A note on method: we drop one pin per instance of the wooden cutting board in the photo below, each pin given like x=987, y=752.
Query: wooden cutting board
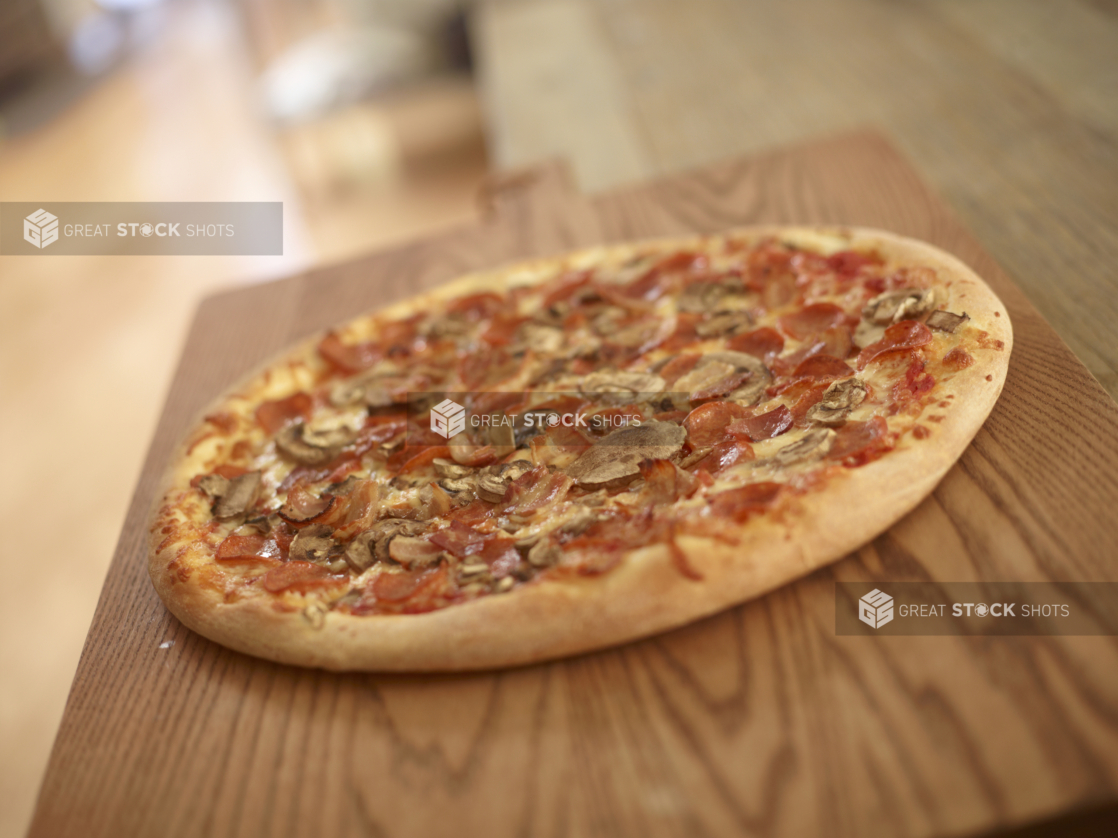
x=758, y=721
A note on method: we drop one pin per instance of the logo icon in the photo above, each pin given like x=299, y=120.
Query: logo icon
x=40, y=228
x=146, y=230
x=448, y=418
x=875, y=609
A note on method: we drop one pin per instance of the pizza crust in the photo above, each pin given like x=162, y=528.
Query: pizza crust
x=646, y=593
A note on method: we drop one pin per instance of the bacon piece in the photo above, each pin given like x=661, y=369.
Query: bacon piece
x=348, y=357
x=408, y=459
x=562, y=288
x=812, y=319
x=908, y=334
x=475, y=512
x=487, y=367
x=706, y=424
x=274, y=415
x=857, y=443
x=502, y=329
x=466, y=453
x=679, y=559
x=358, y=512
x=299, y=576
x=739, y=504
x=759, y=343
x=536, y=489
x=459, y=539
x=248, y=548
x=593, y=555
x=302, y=508
x=822, y=368
x=500, y=554
x=665, y=482
x=765, y=426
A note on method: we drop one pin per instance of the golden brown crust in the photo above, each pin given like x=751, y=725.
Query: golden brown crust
x=646, y=593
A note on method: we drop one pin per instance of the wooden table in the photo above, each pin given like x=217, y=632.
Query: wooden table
x=1009, y=108
x=758, y=721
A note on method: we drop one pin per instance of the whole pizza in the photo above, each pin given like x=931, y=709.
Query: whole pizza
x=573, y=452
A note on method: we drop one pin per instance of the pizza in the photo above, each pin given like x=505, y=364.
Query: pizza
x=573, y=452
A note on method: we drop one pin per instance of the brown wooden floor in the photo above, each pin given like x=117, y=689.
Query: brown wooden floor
x=88, y=345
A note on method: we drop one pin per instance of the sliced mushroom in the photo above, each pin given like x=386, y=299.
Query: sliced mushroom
x=724, y=324
x=373, y=544
x=542, y=339
x=449, y=468
x=705, y=374
x=491, y=486
x=753, y=390
x=837, y=402
x=811, y=445
x=240, y=494
x=946, y=321
x=614, y=459
x=312, y=447
x=579, y=522
x=214, y=485
x=414, y=552
x=623, y=383
x=343, y=488
x=544, y=553
x=895, y=306
x=701, y=297
x=314, y=544
x=458, y=485
x=359, y=553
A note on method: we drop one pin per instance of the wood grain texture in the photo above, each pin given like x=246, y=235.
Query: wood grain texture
x=1008, y=107
x=758, y=721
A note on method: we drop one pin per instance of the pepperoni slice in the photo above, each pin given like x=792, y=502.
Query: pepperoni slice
x=738, y=504
x=857, y=443
x=302, y=508
x=812, y=319
x=299, y=576
x=396, y=587
x=251, y=548
x=908, y=334
x=822, y=368
x=476, y=306
x=706, y=424
x=846, y=263
x=348, y=358
x=759, y=342
x=679, y=366
x=765, y=426
x=274, y=415
x=725, y=454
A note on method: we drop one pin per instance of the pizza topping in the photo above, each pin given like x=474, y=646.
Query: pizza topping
x=213, y=485
x=303, y=508
x=946, y=321
x=837, y=402
x=761, y=342
x=256, y=548
x=624, y=384
x=766, y=426
x=908, y=334
x=724, y=324
x=707, y=424
x=414, y=552
x=739, y=504
x=300, y=577
x=615, y=458
x=895, y=306
x=812, y=319
x=314, y=544
x=273, y=415
x=856, y=443
x=306, y=448
x=237, y=497
x=812, y=445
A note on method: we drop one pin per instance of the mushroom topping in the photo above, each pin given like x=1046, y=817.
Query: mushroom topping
x=701, y=297
x=544, y=554
x=892, y=307
x=312, y=447
x=811, y=445
x=542, y=339
x=705, y=375
x=945, y=321
x=491, y=485
x=837, y=402
x=615, y=459
x=413, y=552
x=449, y=468
x=314, y=544
x=374, y=544
x=214, y=485
x=752, y=391
x=340, y=490
x=622, y=383
x=236, y=499
x=726, y=323
x=579, y=522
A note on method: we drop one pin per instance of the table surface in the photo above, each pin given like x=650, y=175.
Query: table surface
x=1009, y=108
x=758, y=721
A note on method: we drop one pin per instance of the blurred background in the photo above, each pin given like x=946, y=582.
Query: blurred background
x=377, y=121
x=359, y=115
